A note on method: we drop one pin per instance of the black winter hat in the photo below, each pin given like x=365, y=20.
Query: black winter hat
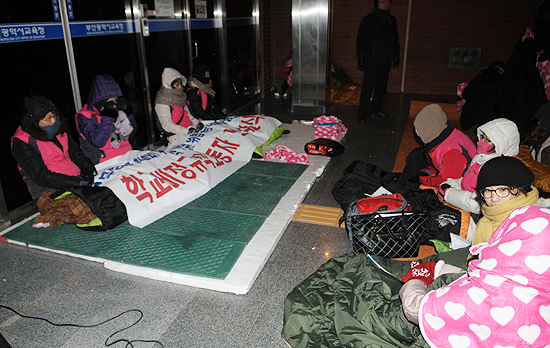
x=36, y=108
x=199, y=70
x=504, y=170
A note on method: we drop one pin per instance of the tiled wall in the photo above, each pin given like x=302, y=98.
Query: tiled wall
x=436, y=26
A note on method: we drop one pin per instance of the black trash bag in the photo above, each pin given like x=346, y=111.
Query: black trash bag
x=361, y=178
x=104, y=204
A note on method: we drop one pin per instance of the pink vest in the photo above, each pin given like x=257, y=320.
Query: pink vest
x=204, y=98
x=57, y=160
x=455, y=141
x=180, y=116
x=107, y=149
x=469, y=180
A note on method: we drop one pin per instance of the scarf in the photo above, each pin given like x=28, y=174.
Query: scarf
x=495, y=215
x=205, y=87
x=52, y=129
x=169, y=96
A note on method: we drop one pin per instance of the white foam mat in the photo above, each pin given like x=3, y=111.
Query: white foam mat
x=253, y=258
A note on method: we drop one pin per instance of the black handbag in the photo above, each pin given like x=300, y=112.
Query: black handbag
x=391, y=233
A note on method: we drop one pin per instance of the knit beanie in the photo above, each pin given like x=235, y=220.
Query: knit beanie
x=543, y=114
x=430, y=122
x=199, y=70
x=508, y=171
x=36, y=108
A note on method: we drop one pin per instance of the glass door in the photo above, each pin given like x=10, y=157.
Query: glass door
x=243, y=51
x=206, y=18
x=33, y=60
x=105, y=39
x=56, y=48
x=167, y=42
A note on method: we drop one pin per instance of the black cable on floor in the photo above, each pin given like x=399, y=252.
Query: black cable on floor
x=129, y=343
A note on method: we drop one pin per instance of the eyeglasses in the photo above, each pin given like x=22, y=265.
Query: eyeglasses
x=501, y=192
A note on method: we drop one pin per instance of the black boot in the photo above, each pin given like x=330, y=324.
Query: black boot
x=361, y=117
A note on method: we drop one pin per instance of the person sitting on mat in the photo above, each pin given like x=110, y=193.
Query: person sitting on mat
x=504, y=296
x=356, y=285
x=171, y=109
x=200, y=95
x=504, y=183
x=106, y=122
x=499, y=137
x=50, y=161
x=447, y=152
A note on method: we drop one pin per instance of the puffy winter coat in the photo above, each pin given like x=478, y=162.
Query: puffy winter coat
x=449, y=154
x=171, y=109
x=353, y=301
x=50, y=163
x=202, y=105
x=504, y=135
x=95, y=130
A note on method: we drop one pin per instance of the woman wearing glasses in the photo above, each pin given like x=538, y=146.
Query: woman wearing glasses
x=504, y=183
x=47, y=155
x=51, y=163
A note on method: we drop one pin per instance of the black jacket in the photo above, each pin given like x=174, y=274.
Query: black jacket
x=378, y=39
x=36, y=174
x=194, y=103
x=478, y=95
x=522, y=91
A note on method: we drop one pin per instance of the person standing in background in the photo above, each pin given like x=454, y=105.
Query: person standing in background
x=377, y=52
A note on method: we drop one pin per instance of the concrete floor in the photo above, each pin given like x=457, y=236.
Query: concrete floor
x=66, y=290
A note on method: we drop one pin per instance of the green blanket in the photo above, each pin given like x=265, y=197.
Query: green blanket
x=351, y=302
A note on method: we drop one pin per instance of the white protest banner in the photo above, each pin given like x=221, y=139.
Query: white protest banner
x=152, y=183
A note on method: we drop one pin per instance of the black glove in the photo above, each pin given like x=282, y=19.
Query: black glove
x=109, y=112
x=361, y=61
x=123, y=104
x=191, y=130
x=396, y=61
x=200, y=126
x=88, y=171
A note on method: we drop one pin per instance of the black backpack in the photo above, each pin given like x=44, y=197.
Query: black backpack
x=361, y=178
